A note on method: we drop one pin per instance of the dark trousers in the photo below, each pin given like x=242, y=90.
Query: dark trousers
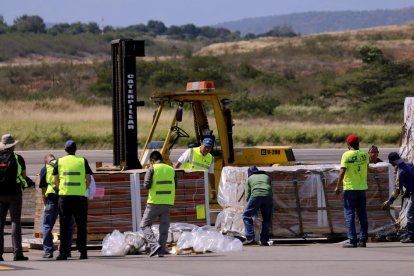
x=14, y=204
x=76, y=207
x=265, y=205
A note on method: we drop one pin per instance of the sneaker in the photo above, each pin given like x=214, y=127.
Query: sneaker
x=407, y=240
x=47, y=256
x=155, y=251
x=248, y=242
x=349, y=245
x=62, y=257
x=362, y=244
x=20, y=258
x=83, y=256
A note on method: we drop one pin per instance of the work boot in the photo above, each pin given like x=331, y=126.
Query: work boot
x=20, y=257
x=1, y=258
x=62, y=257
x=83, y=256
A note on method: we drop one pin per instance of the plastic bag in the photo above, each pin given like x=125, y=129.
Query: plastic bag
x=114, y=244
x=91, y=191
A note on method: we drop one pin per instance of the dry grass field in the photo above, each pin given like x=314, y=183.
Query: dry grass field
x=45, y=125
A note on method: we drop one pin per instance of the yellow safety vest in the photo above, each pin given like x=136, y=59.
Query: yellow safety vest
x=49, y=178
x=197, y=161
x=72, y=176
x=20, y=179
x=162, y=189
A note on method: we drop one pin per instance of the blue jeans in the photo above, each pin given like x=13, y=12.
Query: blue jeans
x=356, y=202
x=265, y=204
x=49, y=218
x=410, y=217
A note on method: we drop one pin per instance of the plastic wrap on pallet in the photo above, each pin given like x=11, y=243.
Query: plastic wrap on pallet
x=407, y=142
x=305, y=204
x=231, y=187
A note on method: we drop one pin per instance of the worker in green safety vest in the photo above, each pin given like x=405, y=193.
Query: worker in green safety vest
x=72, y=175
x=160, y=180
x=200, y=158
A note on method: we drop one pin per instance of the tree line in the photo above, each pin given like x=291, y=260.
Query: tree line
x=36, y=24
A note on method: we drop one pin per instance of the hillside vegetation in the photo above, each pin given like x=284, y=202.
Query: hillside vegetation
x=323, y=21
x=320, y=87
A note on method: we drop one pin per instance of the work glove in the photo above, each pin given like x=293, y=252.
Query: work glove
x=386, y=205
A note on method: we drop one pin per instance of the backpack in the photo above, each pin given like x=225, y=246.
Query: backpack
x=8, y=171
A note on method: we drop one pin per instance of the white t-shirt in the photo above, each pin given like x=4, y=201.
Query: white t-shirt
x=184, y=158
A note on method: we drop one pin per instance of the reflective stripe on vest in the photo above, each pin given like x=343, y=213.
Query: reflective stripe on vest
x=49, y=178
x=197, y=161
x=162, y=189
x=72, y=175
x=20, y=179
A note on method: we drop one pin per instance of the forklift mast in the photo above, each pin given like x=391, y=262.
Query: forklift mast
x=124, y=103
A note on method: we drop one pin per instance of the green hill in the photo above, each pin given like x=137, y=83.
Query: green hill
x=319, y=21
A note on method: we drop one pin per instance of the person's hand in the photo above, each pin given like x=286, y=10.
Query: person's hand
x=386, y=205
x=213, y=195
x=337, y=191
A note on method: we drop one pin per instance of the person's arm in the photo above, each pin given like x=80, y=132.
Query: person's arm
x=88, y=173
x=247, y=190
x=181, y=160
x=398, y=187
x=56, y=175
x=340, y=180
x=148, y=178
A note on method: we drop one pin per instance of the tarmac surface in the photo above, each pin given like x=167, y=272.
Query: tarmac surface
x=388, y=258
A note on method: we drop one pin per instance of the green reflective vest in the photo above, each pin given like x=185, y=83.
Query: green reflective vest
x=197, y=161
x=72, y=176
x=49, y=178
x=20, y=179
x=162, y=189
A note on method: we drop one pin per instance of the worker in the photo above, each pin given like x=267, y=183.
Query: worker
x=51, y=210
x=200, y=158
x=72, y=175
x=353, y=177
x=160, y=179
x=259, y=195
x=405, y=178
x=373, y=155
x=12, y=181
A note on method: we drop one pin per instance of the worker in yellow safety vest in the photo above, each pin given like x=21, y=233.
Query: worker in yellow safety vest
x=51, y=210
x=72, y=175
x=160, y=180
x=200, y=158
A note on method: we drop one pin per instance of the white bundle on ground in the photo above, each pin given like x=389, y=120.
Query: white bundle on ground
x=135, y=242
x=114, y=244
x=118, y=244
x=208, y=239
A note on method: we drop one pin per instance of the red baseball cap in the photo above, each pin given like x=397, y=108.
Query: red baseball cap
x=352, y=139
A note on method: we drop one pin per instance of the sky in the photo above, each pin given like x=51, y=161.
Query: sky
x=122, y=13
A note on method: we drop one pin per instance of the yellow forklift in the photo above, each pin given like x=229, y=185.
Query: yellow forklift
x=210, y=115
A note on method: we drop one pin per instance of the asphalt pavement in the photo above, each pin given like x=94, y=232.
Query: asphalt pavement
x=323, y=259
